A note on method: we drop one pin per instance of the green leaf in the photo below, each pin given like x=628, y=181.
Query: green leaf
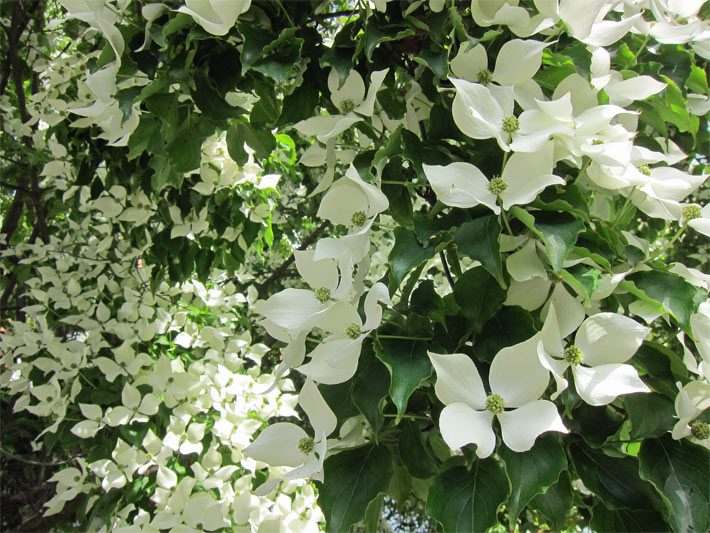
x=614, y=480
x=679, y=470
x=299, y=105
x=235, y=145
x=556, y=502
x=558, y=232
x=375, y=36
x=436, y=59
x=186, y=149
x=663, y=367
x=468, y=501
x=678, y=297
x=510, y=325
x=479, y=295
x=210, y=102
x=354, y=478
x=339, y=398
x=698, y=80
x=427, y=302
x=625, y=520
x=406, y=254
x=651, y=414
x=370, y=387
x=408, y=364
x=479, y=240
x=532, y=472
x=414, y=455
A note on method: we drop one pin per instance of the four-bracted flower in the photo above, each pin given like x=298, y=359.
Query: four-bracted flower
x=517, y=380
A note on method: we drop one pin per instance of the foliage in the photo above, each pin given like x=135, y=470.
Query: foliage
x=389, y=257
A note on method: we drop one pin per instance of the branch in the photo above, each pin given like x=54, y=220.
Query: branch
x=334, y=14
x=279, y=272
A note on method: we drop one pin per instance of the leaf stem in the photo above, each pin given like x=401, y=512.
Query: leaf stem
x=506, y=222
x=404, y=337
x=669, y=244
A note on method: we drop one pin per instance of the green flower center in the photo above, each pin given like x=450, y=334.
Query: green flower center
x=322, y=294
x=497, y=186
x=306, y=445
x=700, y=430
x=597, y=142
x=495, y=403
x=353, y=331
x=346, y=106
x=485, y=76
x=573, y=355
x=510, y=124
x=358, y=219
x=645, y=170
x=691, y=211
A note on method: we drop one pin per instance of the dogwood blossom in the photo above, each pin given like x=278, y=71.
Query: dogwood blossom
x=603, y=342
x=517, y=380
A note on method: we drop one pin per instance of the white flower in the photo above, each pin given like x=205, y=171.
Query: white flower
x=86, y=429
x=286, y=444
x=517, y=381
x=463, y=185
x=482, y=112
x=134, y=409
x=215, y=16
x=603, y=343
x=516, y=63
x=335, y=360
x=692, y=401
x=352, y=202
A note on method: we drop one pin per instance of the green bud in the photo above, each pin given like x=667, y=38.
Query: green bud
x=353, y=331
x=306, y=445
x=485, y=76
x=346, y=106
x=690, y=212
x=645, y=170
x=510, y=124
x=700, y=430
x=358, y=219
x=495, y=403
x=322, y=294
x=573, y=355
x=497, y=186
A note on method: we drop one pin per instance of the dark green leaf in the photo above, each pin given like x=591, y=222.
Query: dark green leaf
x=510, y=325
x=406, y=254
x=479, y=295
x=370, y=387
x=679, y=469
x=375, y=36
x=532, y=472
x=556, y=502
x=663, y=367
x=414, y=455
x=408, y=364
x=625, y=520
x=479, y=240
x=614, y=480
x=468, y=501
x=426, y=302
x=353, y=479
x=651, y=415
x=678, y=297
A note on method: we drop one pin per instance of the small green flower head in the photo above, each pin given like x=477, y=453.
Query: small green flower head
x=573, y=355
x=597, y=142
x=353, y=331
x=510, y=124
x=346, y=106
x=495, y=403
x=322, y=294
x=358, y=219
x=645, y=170
x=485, y=77
x=497, y=186
x=306, y=445
x=700, y=430
x=690, y=212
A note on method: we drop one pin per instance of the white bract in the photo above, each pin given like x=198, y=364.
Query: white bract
x=286, y=444
x=692, y=401
x=524, y=177
x=603, y=342
x=517, y=380
x=215, y=16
